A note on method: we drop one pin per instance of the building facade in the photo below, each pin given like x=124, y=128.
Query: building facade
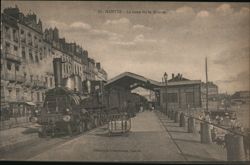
x=27, y=53
x=181, y=93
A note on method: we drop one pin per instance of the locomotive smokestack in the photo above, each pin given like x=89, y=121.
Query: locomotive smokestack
x=57, y=65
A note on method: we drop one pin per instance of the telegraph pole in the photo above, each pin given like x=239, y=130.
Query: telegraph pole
x=206, y=85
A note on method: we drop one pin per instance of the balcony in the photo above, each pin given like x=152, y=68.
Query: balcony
x=13, y=57
x=7, y=36
x=40, y=84
x=14, y=78
x=11, y=77
x=20, y=78
x=28, y=83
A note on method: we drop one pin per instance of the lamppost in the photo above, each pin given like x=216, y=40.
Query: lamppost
x=165, y=76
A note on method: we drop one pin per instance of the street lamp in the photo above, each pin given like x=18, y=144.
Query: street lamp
x=165, y=76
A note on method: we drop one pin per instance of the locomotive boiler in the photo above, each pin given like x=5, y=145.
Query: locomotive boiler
x=63, y=110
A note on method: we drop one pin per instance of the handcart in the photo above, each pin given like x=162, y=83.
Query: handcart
x=119, y=124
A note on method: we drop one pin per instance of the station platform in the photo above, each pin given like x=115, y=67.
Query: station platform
x=153, y=137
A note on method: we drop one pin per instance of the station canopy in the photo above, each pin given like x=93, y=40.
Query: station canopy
x=131, y=81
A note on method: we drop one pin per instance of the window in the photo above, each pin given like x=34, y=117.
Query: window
x=43, y=97
x=25, y=75
x=2, y=91
x=46, y=80
x=50, y=81
x=7, y=44
x=17, y=67
x=7, y=29
x=23, y=38
x=9, y=65
x=15, y=48
x=190, y=98
x=172, y=97
x=7, y=47
x=31, y=78
x=30, y=55
x=36, y=58
x=23, y=53
x=32, y=93
x=9, y=90
x=38, y=96
x=41, y=57
x=18, y=93
x=15, y=35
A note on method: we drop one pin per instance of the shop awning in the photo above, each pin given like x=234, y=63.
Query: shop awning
x=30, y=103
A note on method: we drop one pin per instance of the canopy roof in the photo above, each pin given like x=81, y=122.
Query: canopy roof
x=131, y=81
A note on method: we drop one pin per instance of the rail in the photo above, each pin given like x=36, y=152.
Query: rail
x=233, y=138
x=215, y=125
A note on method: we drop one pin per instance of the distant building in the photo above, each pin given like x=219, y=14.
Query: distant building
x=241, y=97
x=181, y=93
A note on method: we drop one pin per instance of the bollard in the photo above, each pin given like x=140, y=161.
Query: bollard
x=235, y=147
x=182, y=120
x=177, y=117
x=172, y=115
x=191, y=125
x=168, y=113
x=205, y=133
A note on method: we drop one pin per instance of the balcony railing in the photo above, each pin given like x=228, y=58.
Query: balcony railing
x=7, y=35
x=40, y=84
x=12, y=56
x=20, y=78
x=28, y=83
x=11, y=77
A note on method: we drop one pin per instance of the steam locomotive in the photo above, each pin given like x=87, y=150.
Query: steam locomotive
x=73, y=107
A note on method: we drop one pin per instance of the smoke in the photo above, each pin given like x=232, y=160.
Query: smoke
x=41, y=68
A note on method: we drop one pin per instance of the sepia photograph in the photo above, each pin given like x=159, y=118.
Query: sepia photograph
x=125, y=81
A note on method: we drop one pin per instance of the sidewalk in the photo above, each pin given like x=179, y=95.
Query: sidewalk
x=13, y=136
x=147, y=141
x=190, y=145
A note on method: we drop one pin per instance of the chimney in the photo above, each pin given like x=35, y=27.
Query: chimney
x=172, y=75
x=57, y=65
x=98, y=65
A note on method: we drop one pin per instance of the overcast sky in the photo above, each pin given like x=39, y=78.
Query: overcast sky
x=174, y=41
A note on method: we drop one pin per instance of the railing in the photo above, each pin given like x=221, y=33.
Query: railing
x=10, y=77
x=233, y=138
x=12, y=56
x=7, y=35
x=27, y=83
x=39, y=83
x=20, y=78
